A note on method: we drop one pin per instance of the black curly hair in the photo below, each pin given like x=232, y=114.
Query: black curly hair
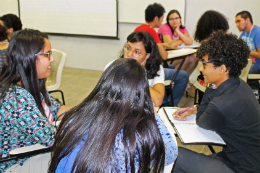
x=210, y=21
x=152, y=11
x=227, y=49
x=153, y=63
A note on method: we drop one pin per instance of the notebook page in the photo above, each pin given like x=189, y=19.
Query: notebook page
x=196, y=134
x=189, y=120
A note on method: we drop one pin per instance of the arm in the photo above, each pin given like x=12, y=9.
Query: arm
x=211, y=118
x=185, y=37
x=57, y=108
x=170, y=43
x=157, y=94
x=171, y=149
x=62, y=110
x=255, y=54
x=162, y=51
x=27, y=118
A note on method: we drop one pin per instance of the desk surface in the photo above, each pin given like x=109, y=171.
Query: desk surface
x=180, y=52
x=167, y=169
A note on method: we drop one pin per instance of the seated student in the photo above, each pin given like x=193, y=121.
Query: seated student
x=230, y=109
x=3, y=43
x=142, y=47
x=209, y=21
x=174, y=34
x=251, y=35
x=114, y=129
x=27, y=111
x=154, y=14
x=12, y=23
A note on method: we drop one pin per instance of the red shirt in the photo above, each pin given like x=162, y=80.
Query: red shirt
x=150, y=30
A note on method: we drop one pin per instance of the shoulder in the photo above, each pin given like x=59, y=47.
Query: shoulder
x=164, y=27
x=146, y=28
x=108, y=64
x=183, y=30
x=143, y=27
x=157, y=79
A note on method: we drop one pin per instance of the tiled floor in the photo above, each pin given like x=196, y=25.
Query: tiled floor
x=77, y=84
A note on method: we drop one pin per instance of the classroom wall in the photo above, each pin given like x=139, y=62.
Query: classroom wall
x=94, y=54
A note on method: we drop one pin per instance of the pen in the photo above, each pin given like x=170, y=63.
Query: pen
x=186, y=109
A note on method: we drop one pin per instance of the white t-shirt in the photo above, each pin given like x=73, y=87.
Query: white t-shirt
x=152, y=82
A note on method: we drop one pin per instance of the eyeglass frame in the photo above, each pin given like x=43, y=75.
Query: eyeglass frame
x=45, y=54
x=204, y=63
x=132, y=51
x=176, y=18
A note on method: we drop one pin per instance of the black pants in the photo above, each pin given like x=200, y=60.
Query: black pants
x=191, y=162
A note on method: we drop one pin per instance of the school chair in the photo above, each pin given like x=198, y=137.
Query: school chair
x=54, y=80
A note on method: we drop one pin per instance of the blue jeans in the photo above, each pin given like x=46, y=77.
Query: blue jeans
x=254, y=69
x=180, y=83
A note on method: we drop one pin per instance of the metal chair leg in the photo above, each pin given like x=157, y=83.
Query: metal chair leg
x=62, y=95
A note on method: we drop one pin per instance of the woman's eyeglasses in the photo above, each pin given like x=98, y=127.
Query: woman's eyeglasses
x=176, y=18
x=47, y=55
x=136, y=53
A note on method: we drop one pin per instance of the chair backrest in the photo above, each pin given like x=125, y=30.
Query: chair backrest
x=54, y=80
x=245, y=71
x=195, y=73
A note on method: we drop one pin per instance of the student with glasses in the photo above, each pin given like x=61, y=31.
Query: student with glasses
x=175, y=34
x=142, y=47
x=27, y=111
x=230, y=109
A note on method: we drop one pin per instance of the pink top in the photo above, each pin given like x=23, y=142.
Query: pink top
x=166, y=30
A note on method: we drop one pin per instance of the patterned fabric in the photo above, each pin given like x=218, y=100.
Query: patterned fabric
x=171, y=152
x=47, y=111
x=22, y=123
x=2, y=58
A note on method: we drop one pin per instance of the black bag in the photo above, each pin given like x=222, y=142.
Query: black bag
x=255, y=86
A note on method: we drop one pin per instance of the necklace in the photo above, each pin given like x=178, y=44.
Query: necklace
x=250, y=33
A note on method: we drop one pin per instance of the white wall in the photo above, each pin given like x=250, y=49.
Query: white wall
x=91, y=53
x=94, y=54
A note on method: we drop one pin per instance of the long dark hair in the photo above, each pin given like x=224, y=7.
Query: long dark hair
x=153, y=63
x=168, y=17
x=120, y=101
x=210, y=21
x=20, y=66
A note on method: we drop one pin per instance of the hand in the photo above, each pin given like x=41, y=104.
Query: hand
x=181, y=117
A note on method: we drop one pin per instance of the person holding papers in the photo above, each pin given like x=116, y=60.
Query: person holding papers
x=229, y=108
x=174, y=34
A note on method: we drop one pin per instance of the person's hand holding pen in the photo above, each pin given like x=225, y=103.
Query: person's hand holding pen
x=182, y=113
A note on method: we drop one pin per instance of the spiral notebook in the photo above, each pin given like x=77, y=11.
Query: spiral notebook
x=190, y=133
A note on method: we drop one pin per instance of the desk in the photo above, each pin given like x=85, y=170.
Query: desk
x=174, y=55
x=167, y=169
x=170, y=128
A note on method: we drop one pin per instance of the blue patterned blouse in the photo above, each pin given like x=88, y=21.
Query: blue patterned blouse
x=22, y=123
x=171, y=152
